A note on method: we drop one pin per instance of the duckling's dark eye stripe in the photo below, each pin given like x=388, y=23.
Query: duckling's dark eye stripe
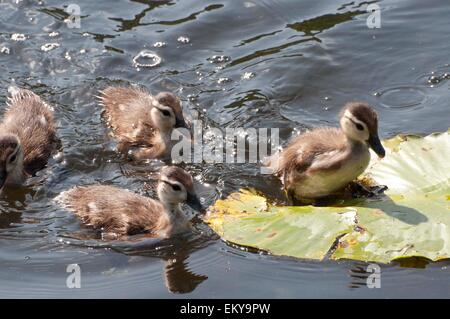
x=169, y=183
x=354, y=122
x=175, y=187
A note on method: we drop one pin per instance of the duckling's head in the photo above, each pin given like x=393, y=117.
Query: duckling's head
x=360, y=123
x=167, y=113
x=11, y=157
x=176, y=186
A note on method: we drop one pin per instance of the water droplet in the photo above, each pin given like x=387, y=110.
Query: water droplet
x=377, y=94
x=248, y=75
x=327, y=98
x=5, y=50
x=160, y=44
x=192, y=97
x=146, y=59
x=183, y=39
x=49, y=46
x=223, y=80
x=434, y=79
x=219, y=59
x=18, y=37
x=67, y=56
x=446, y=76
x=53, y=34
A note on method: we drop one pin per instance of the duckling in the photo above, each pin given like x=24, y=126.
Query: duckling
x=325, y=160
x=118, y=212
x=27, y=137
x=142, y=123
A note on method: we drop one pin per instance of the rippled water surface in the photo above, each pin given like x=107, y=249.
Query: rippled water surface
x=258, y=63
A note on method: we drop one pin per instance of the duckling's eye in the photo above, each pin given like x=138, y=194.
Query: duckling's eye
x=13, y=158
x=359, y=127
x=176, y=188
x=165, y=113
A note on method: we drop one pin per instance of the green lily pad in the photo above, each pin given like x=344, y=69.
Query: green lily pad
x=411, y=220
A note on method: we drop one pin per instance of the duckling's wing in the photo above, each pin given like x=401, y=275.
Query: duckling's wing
x=308, y=152
x=32, y=120
x=112, y=209
x=127, y=111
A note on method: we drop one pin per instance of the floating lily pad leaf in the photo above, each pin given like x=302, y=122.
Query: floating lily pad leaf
x=412, y=220
x=414, y=165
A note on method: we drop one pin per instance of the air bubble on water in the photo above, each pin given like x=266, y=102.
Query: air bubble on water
x=434, y=79
x=49, y=46
x=67, y=56
x=248, y=75
x=327, y=98
x=18, y=37
x=53, y=34
x=377, y=94
x=183, y=39
x=160, y=44
x=219, y=59
x=446, y=76
x=5, y=50
x=192, y=97
x=146, y=59
x=223, y=80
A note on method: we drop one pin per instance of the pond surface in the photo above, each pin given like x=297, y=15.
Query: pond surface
x=257, y=63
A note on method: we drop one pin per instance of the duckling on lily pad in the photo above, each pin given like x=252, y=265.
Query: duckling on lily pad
x=323, y=161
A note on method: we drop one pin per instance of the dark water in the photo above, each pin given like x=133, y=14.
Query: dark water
x=289, y=64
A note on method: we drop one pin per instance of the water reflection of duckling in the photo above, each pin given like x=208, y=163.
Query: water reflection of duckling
x=118, y=212
x=142, y=123
x=323, y=161
x=27, y=137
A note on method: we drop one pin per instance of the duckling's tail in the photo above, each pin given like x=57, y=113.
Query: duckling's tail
x=62, y=199
x=271, y=164
x=18, y=95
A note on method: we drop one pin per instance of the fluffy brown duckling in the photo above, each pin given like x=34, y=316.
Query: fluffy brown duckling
x=141, y=122
x=27, y=137
x=118, y=212
x=325, y=160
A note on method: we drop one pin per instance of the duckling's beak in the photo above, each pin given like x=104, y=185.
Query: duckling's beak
x=180, y=122
x=194, y=202
x=375, y=144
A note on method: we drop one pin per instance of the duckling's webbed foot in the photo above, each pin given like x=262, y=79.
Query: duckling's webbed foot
x=359, y=190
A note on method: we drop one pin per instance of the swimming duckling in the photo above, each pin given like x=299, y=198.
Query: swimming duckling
x=118, y=212
x=142, y=123
x=323, y=161
x=27, y=137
